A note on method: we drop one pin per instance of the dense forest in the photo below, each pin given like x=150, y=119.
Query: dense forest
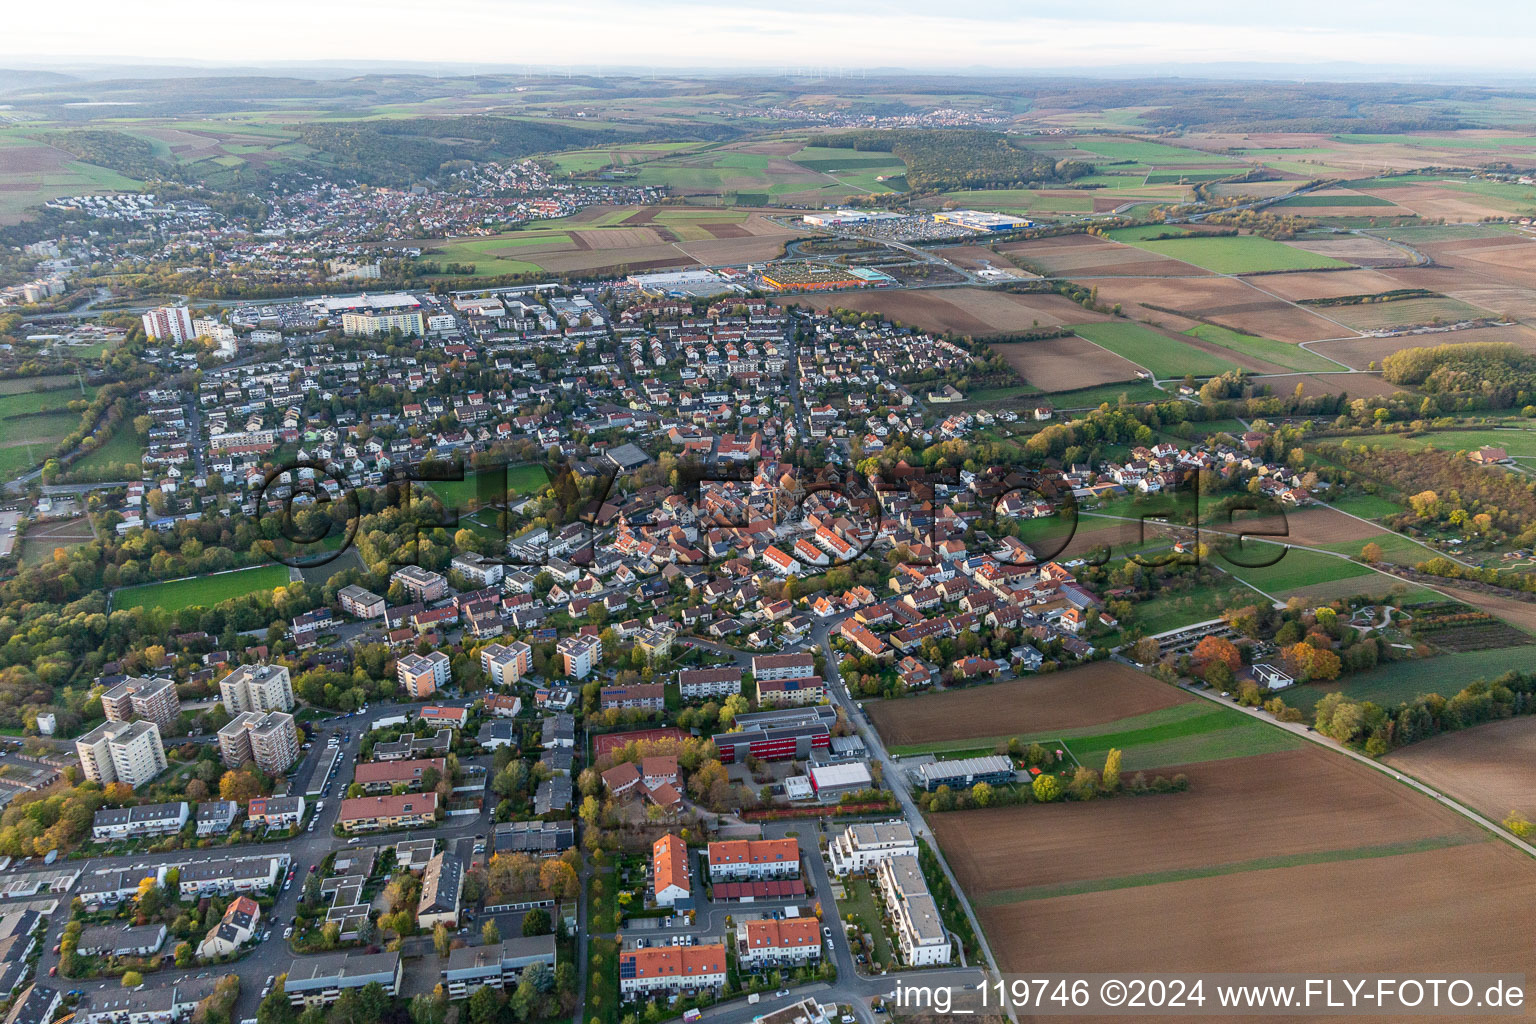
x=962, y=158
x=1494, y=374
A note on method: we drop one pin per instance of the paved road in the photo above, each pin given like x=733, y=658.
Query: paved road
x=274, y=956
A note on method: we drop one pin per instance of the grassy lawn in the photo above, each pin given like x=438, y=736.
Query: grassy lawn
x=123, y=447
x=485, y=487
x=1281, y=353
x=1519, y=442
x=860, y=905
x=1182, y=734
x=1172, y=610
x=1296, y=568
x=1349, y=200
x=1164, y=356
x=1388, y=685
x=206, y=591
x=1230, y=254
x=1394, y=548
x=1367, y=506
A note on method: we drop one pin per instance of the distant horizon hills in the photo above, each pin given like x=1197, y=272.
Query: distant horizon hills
x=21, y=72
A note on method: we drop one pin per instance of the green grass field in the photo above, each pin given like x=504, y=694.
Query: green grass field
x=1164, y=356
x=1367, y=506
x=1144, y=152
x=1182, y=734
x=1280, y=353
x=1520, y=443
x=1231, y=254
x=483, y=487
x=205, y=591
x=1172, y=610
x=1090, y=398
x=1296, y=568
x=1394, y=548
x=1389, y=685
x=1350, y=200
x=122, y=447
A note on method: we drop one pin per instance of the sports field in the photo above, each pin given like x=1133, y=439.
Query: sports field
x=204, y=591
x=1164, y=356
x=483, y=487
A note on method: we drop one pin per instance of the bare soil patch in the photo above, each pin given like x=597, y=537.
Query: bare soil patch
x=1356, y=385
x=971, y=311
x=1226, y=300
x=1327, y=803
x=1490, y=767
x=1331, y=285
x=1316, y=526
x=1348, y=915
x=1099, y=692
x=1063, y=364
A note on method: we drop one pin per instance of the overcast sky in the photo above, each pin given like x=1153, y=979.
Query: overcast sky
x=1413, y=35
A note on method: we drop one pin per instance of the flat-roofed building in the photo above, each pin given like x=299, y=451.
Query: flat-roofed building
x=920, y=934
x=860, y=847
x=271, y=740
x=359, y=602
x=153, y=700
x=580, y=654
x=422, y=584
x=499, y=966
x=128, y=752
x=320, y=980
x=260, y=688
x=507, y=663
x=965, y=772
x=423, y=674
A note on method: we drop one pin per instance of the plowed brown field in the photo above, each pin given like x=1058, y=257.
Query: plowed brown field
x=1100, y=692
x=1491, y=767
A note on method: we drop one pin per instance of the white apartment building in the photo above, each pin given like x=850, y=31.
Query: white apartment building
x=169, y=323
x=709, y=682
x=271, y=740
x=506, y=664
x=128, y=752
x=920, y=933
x=153, y=700
x=860, y=847
x=259, y=688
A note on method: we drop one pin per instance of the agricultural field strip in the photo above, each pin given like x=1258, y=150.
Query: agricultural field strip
x=1148, y=720
x=1044, y=892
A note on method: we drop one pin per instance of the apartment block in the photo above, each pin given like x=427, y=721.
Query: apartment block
x=153, y=700
x=260, y=688
x=271, y=740
x=506, y=664
x=128, y=752
x=359, y=602
x=581, y=654
x=422, y=584
x=320, y=980
x=920, y=934
x=423, y=674
x=141, y=820
x=860, y=847
x=372, y=813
